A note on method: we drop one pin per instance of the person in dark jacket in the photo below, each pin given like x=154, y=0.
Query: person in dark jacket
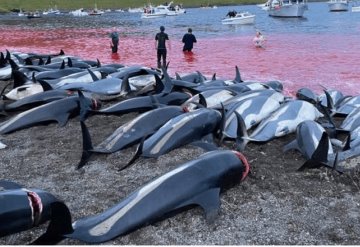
x=188, y=40
x=160, y=46
x=114, y=42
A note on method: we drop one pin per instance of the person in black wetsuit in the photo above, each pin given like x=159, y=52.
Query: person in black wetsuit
x=160, y=46
x=188, y=40
x=114, y=42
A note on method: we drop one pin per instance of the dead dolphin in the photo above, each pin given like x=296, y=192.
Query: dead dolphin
x=143, y=103
x=197, y=182
x=130, y=133
x=59, y=111
x=253, y=110
x=179, y=131
x=308, y=136
x=282, y=122
x=22, y=209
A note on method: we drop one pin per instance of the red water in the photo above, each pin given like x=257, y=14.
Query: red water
x=304, y=60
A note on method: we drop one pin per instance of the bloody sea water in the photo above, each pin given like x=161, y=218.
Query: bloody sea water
x=321, y=49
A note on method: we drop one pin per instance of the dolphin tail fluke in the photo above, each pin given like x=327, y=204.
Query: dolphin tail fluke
x=19, y=78
x=84, y=106
x=329, y=102
x=60, y=225
x=136, y=156
x=320, y=156
x=87, y=145
x=159, y=85
x=13, y=65
x=242, y=136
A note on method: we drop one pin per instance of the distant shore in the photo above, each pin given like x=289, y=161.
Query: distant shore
x=66, y=5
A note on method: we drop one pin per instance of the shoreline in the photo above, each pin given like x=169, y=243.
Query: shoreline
x=39, y=5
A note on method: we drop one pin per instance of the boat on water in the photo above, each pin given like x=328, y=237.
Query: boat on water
x=287, y=8
x=21, y=13
x=264, y=6
x=338, y=5
x=240, y=18
x=153, y=12
x=96, y=11
x=79, y=12
x=52, y=11
x=355, y=7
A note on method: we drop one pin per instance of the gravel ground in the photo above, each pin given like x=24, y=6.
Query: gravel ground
x=276, y=204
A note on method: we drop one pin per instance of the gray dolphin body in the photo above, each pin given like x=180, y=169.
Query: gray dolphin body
x=308, y=137
x=181, y=130
x=253, y=110
x=108, y=86
x=144, y=103
x=281, y=122
x=130, y=133
x=37, y=99
x=59, y=111
x=197, y=182
x=352, y=121
x=22, y=209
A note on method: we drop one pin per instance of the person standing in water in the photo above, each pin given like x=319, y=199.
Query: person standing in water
x=188, y=40
x=160, y=46
x=114, y=43
x=259, y=40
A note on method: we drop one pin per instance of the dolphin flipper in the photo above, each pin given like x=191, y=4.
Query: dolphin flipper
x=291, y=145
x=60, y=224
x=209, y=200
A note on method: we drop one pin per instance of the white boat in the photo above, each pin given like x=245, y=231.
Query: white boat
x=338, y=5
x=240, y=18
x=52, y=11
x=79, y=12
x=21, y=13
x=355, y=7
x=96, y=11
x=287, y=8
x=264, y=6
x=153, y=12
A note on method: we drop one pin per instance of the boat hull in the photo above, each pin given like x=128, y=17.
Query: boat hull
x=239, y=21
x=293, y=10
x=355, y=9
x=338, y=6
x=151, y=16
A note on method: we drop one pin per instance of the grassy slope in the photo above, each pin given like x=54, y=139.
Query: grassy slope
x=104, y=4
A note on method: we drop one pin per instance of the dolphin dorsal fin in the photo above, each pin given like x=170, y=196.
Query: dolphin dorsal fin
x=237, y=75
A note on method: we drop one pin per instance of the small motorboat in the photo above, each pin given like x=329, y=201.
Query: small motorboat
x=287, y=8
x=240, y=18
x=153, y=12
x=338, y=5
